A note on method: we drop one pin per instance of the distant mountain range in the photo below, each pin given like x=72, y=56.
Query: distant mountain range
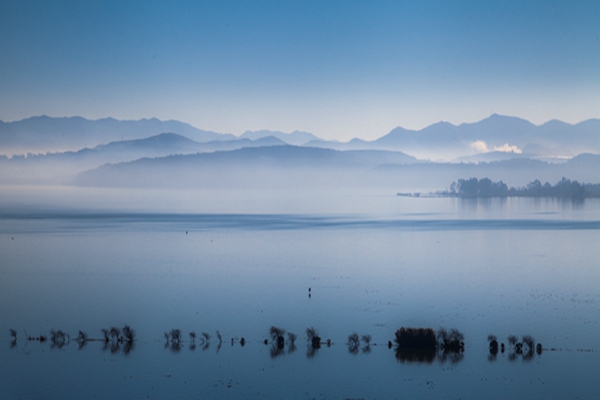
x=43, y=134
x=496, y=132
x=279, y=166
x=152, y=152
x=500, y=134
x=48, y=166
x=251, y=165
x=296, y=138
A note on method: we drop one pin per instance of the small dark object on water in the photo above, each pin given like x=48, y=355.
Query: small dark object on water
x=266, y=341
x=242, y=342
x=539, y=349
x=389, y=344
x=502, y=347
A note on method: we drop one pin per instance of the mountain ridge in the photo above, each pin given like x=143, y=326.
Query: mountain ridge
x=44, y=133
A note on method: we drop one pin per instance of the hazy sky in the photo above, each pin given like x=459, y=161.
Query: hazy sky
x=339, y=69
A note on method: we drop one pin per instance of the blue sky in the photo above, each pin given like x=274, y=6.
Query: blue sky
x=339, y=69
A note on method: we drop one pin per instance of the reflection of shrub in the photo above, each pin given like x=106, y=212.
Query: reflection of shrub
x=423, y=355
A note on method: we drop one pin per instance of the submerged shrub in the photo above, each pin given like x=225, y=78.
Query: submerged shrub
x=353, y=343
x=415, y=338
x=313, y=337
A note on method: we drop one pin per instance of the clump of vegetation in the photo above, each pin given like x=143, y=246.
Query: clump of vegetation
x=314, y=341
x=526, y=348
x=452, y=341
x=493, y=341
x=353, y=343
x=173, y=340
x=291, y=342
x=292, y=338
x=82, y=339
x=128, y=334
x=415, y=338
x=59, y=338
x=313, y=337
x=366, y=339
x=174, y=336
x=565, y=188
x=277, y=336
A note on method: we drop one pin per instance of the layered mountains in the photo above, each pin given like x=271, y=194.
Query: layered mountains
x=151, y=152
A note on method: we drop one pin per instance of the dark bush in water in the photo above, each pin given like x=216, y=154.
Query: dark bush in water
x=416, y=338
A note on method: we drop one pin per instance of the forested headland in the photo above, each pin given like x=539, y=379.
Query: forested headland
x=485, y=187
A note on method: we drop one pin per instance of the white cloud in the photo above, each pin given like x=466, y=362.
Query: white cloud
x=480, y=146
x=506, y=148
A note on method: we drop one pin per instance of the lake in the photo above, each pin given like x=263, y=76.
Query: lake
x=343, y=263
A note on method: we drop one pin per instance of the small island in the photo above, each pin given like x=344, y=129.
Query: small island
x=485, y=187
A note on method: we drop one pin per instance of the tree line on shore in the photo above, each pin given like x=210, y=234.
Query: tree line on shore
x=485, y=187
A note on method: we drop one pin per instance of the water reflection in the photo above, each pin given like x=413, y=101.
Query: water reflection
x=278, y=342
x=475, y=204
x=314, y=342
x=353, y=343
x=113, y=340
x=412, y=345
x=524, y=349
x=424, y=345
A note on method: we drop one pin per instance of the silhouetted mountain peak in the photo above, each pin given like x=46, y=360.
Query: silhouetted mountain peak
x=293, y=138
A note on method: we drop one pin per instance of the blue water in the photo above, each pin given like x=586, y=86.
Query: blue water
x=520, y=267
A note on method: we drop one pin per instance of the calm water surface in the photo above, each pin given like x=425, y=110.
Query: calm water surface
x=516, y=266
